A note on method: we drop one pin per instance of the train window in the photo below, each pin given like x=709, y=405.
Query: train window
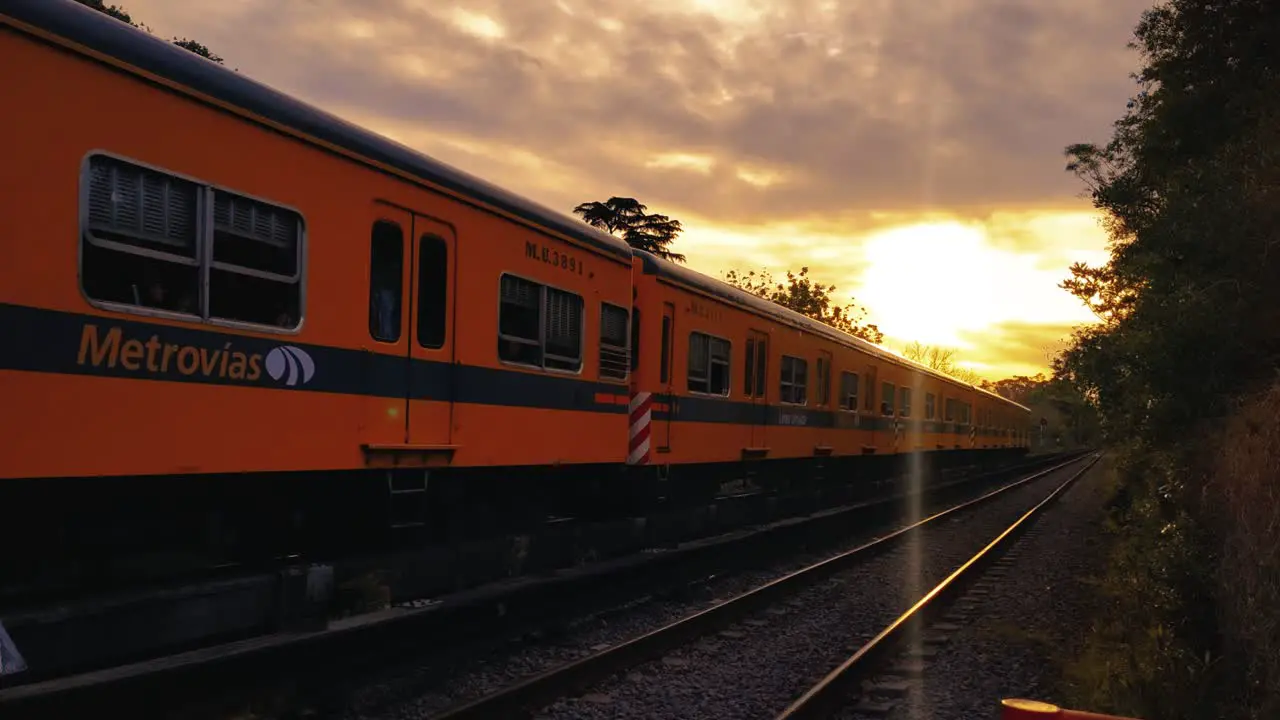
x=949, y=410
x=255, y=274
x=929, y=406
x=749, y=370
x=886, y=398
x=148, y=242
x=635, y=338
x=386, y=281
x=794, y=384
x=563, y=333
x=539, y=325
x=762, y=361
x=904, y=402
x=824, y=381
x=613, y=342
x=708, y=364
x=849, y=391
x=433, y=290
x=141, y=238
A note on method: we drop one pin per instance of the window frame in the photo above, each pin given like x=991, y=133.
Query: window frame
x=844, y=396
x=783, y=382
x=626, y=349
x=728, y=384
x=892, y=404
x=542, y=328
x=417, y=297
x=904, y=401
x=930, y=406
x=373, y=236
x=203, y=261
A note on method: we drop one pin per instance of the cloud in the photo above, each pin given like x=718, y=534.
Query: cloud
x=787, y=110
x=1011, y=348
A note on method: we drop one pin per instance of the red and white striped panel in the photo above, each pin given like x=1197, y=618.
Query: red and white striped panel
x=641, y=414
x=973, y=436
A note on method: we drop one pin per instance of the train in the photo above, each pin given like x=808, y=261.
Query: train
x=233, y=320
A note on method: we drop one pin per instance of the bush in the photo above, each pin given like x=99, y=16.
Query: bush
x=1149, y=652
x=1246, y=501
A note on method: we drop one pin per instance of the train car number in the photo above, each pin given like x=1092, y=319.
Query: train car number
x=552, y=256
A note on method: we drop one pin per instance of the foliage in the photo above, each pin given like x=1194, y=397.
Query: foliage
x=1150, y=651
x=803, y=295
x=629, y=219
x=1189, y=186
x=1071, y=420
x=123, y=15
x=1246, y=518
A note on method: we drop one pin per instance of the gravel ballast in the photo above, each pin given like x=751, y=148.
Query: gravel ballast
x=755, y=668
x=443, y=679
x=448, y=677
x=1031, y=617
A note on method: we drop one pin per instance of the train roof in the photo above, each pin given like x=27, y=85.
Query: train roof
x=741, y=298
x=119, y=40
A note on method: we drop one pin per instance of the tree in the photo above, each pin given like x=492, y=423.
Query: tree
x=941, y=359
x=123, y=16
x=628, y=219
x=1189, y=185
x=808, y=298
x=1069, y=416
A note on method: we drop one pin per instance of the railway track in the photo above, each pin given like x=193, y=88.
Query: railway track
x=844, y=692
x=495, y=611
x=680, y=658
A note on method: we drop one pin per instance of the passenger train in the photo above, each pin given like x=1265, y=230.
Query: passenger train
x=231, y=319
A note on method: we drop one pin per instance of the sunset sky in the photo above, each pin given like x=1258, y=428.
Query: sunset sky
x=908, y=151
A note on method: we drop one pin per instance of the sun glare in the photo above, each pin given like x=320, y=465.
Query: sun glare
x=929, y=282
x=940, y=282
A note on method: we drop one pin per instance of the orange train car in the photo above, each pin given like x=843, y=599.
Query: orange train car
x=222, y=304
x=727, y=378
x=238, y=324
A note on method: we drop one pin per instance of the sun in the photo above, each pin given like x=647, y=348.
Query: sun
x=931, y=282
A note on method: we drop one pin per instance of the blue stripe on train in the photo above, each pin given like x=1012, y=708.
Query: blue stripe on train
x=58, y=342
x=51, y=341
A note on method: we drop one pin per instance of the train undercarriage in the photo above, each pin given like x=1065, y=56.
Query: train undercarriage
x=67, y=535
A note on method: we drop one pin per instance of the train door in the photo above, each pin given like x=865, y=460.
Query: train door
x=666, y=385
x=871, y=417
x=430, y=423
x=758, y=371
x=822, y=401
x=385, y=367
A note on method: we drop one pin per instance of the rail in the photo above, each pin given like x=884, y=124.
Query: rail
x=524, y=698
x=833, y=691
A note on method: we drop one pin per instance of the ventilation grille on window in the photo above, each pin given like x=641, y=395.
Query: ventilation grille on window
x=564, y=319
x=254, y=220
x=519, y=292
x=613, y=342
x=133, y=204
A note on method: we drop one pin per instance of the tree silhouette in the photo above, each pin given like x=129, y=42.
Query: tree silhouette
x=123, y=16
x=941, y=359
x=808, y=298
x=628, y=218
